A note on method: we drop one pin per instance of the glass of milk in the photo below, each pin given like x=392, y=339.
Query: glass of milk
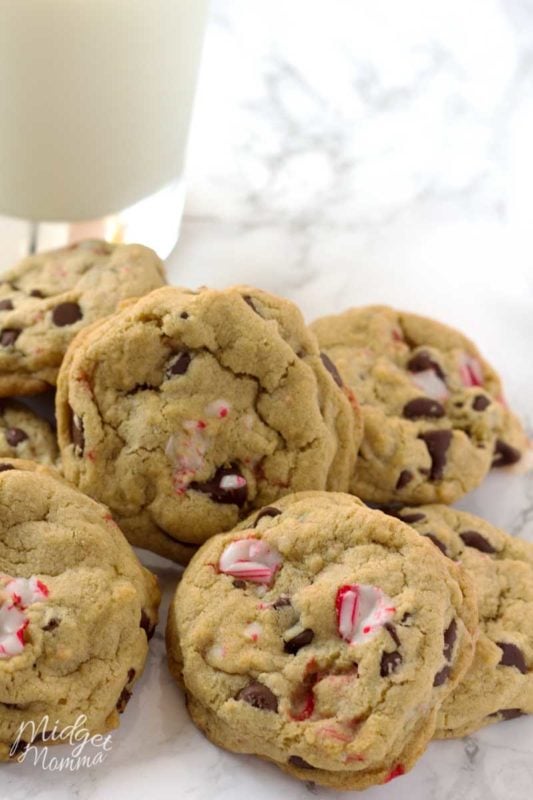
x=95, y=106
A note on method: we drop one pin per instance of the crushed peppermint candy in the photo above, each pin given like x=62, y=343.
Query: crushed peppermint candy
x=218, y=408
x=253, y=631
x=186, y=451
x=232, y=482
x=362, y=611
x=470, y=371
x=16, y=595
x=431, y=384
x=251, y=559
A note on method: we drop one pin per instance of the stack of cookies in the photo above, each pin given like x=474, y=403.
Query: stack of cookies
x=327, y=621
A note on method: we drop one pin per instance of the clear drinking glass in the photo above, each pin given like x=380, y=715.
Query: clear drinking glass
x=95, y=105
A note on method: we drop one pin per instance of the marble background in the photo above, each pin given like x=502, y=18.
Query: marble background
x=344, y=153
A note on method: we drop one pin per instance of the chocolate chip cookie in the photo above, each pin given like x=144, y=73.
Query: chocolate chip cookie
x=76, y=608
x=499, y=684
x=323, y=636
x=187, y=409
x=434, y=415
x=47, y=298
x=25, y=435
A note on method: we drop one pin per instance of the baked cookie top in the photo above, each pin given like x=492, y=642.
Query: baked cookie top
x=47, y=298
x=499, y=684
x=76, y=606
x=434, y=415
x=23, y=434
x=322, y=635
x=186, y=409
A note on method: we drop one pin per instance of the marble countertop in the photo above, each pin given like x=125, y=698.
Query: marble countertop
x=348, y=153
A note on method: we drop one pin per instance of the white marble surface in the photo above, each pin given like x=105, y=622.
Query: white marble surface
x=344, y=153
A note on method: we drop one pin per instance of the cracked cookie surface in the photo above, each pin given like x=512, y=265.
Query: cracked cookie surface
x=434, y=415
x=25, y=435
x=47, y=298
x=499, y=683
x=323, y=636
x=76, y=606
x=186, y=409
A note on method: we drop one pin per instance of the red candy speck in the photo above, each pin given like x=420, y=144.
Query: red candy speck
x=367, y=629
x=43, y=588
x=307, y=710
x=201, y=425
x=398, y=770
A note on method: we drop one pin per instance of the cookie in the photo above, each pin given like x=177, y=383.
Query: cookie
x=323, y=636
x=434, y=415
x=187, y=409
x=48, y=298
x=76, y=608
x=499, y=684
x=25, y=435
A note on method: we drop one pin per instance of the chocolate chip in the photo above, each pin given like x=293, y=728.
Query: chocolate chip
x=223, y=494
x=36, y=293
x=504, y=454
x=131, y=674
x=405, y=477
x=389, y=663
x=390, y=628
x=21, y=746
x=9, y=336
x=248, y=299
x=15, y=436
x=52, y=625
x=406, y=619
x=331, y=368
x=512, y=656
x=422, y=361
x=268, y=511
x=481, y=402
x=239, y=584
x=423, y=407
x=5, y=467
x=147, y=625
x=437, y=542
x=437, y=443
x=281, y=602
x=300, y=763
x=450, y=635
x=66, y=314
x=441, y=676
x=300, y=640
x=6, y=305
x=76, y=433
x=476, y=540
x=508, y=713
x=123, y=700
x=259, y=696
x=179, y=365
x=410, y=518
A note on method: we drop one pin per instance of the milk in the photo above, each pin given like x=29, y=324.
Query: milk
x=95, y=102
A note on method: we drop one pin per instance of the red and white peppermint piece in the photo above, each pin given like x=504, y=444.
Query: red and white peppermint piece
x=218, y=408
x=250, y=559
x=430, y=383
x=361, y=611
x=229, y=482
x=16, y=595
x=470, y=371
x=186, y=451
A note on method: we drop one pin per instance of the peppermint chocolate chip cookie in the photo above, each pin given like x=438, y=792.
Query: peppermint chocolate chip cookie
x=47, y=298
x=434, y=415
x=187, y=409
x=499, y=684
x=25, y=435
x=76, y=608
x=323, y=636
